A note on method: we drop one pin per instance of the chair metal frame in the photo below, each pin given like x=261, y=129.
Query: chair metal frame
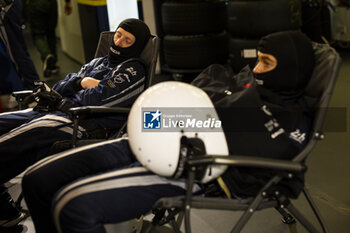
x=317, y=94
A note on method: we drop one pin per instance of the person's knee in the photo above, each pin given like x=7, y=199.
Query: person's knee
x=73, y=215
x=31, y=181
x=26, y=181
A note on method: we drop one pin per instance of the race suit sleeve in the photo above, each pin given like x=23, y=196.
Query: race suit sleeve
x=119, y=87
x=71, y=83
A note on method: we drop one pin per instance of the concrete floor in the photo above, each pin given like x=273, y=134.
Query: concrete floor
x=328, y=176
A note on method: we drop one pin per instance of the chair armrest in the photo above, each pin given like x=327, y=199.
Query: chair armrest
x=96, y=110
x=214, y=203
x=88, y=111
x=247, y=161
x=22, y=94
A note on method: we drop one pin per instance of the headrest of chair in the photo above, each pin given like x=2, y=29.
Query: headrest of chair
x=148, y=53
x=103, y=44
x=327, y=63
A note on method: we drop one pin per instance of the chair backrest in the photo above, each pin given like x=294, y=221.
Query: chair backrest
x=149, y=53
x=320, y=88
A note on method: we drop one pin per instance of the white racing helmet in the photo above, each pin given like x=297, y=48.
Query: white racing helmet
x=164, y=118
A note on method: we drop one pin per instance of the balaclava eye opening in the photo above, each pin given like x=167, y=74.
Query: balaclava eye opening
x=295, y=62
x=142, y=34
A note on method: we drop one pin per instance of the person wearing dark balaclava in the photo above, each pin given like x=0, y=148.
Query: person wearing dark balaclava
x=140, y=31
x=263, y=111
x=113, y=80
x=294, y=62
x=129, y=39
x=86, y=188
x=283, y=70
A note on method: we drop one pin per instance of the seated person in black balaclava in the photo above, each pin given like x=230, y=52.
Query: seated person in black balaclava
x=284, y=67
x=115, y=80
x=80, y=190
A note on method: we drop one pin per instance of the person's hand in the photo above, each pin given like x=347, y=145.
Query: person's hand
x=89, y=82
x=68, y=8
x=47, y=101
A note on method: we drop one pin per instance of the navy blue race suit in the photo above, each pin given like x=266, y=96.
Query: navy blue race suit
x=82, y=189
x=26, y=136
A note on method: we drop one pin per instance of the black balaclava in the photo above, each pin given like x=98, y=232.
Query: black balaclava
x=142, y=34
x=295, y=62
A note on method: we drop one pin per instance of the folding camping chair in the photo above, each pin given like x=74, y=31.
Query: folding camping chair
x=318, y=94
x=149, y=55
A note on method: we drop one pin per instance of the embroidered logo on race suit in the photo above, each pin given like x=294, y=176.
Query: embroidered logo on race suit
x=259, y=82
x=298, y=136
x=131, y=70
x=271, y=125
x=266, y=110
x=277, y=133
x=227, y=92
x=114, y=51
x=118, y=79
x=100, y=67
x=274, y=128
x=110, y=84
x=121, y=77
